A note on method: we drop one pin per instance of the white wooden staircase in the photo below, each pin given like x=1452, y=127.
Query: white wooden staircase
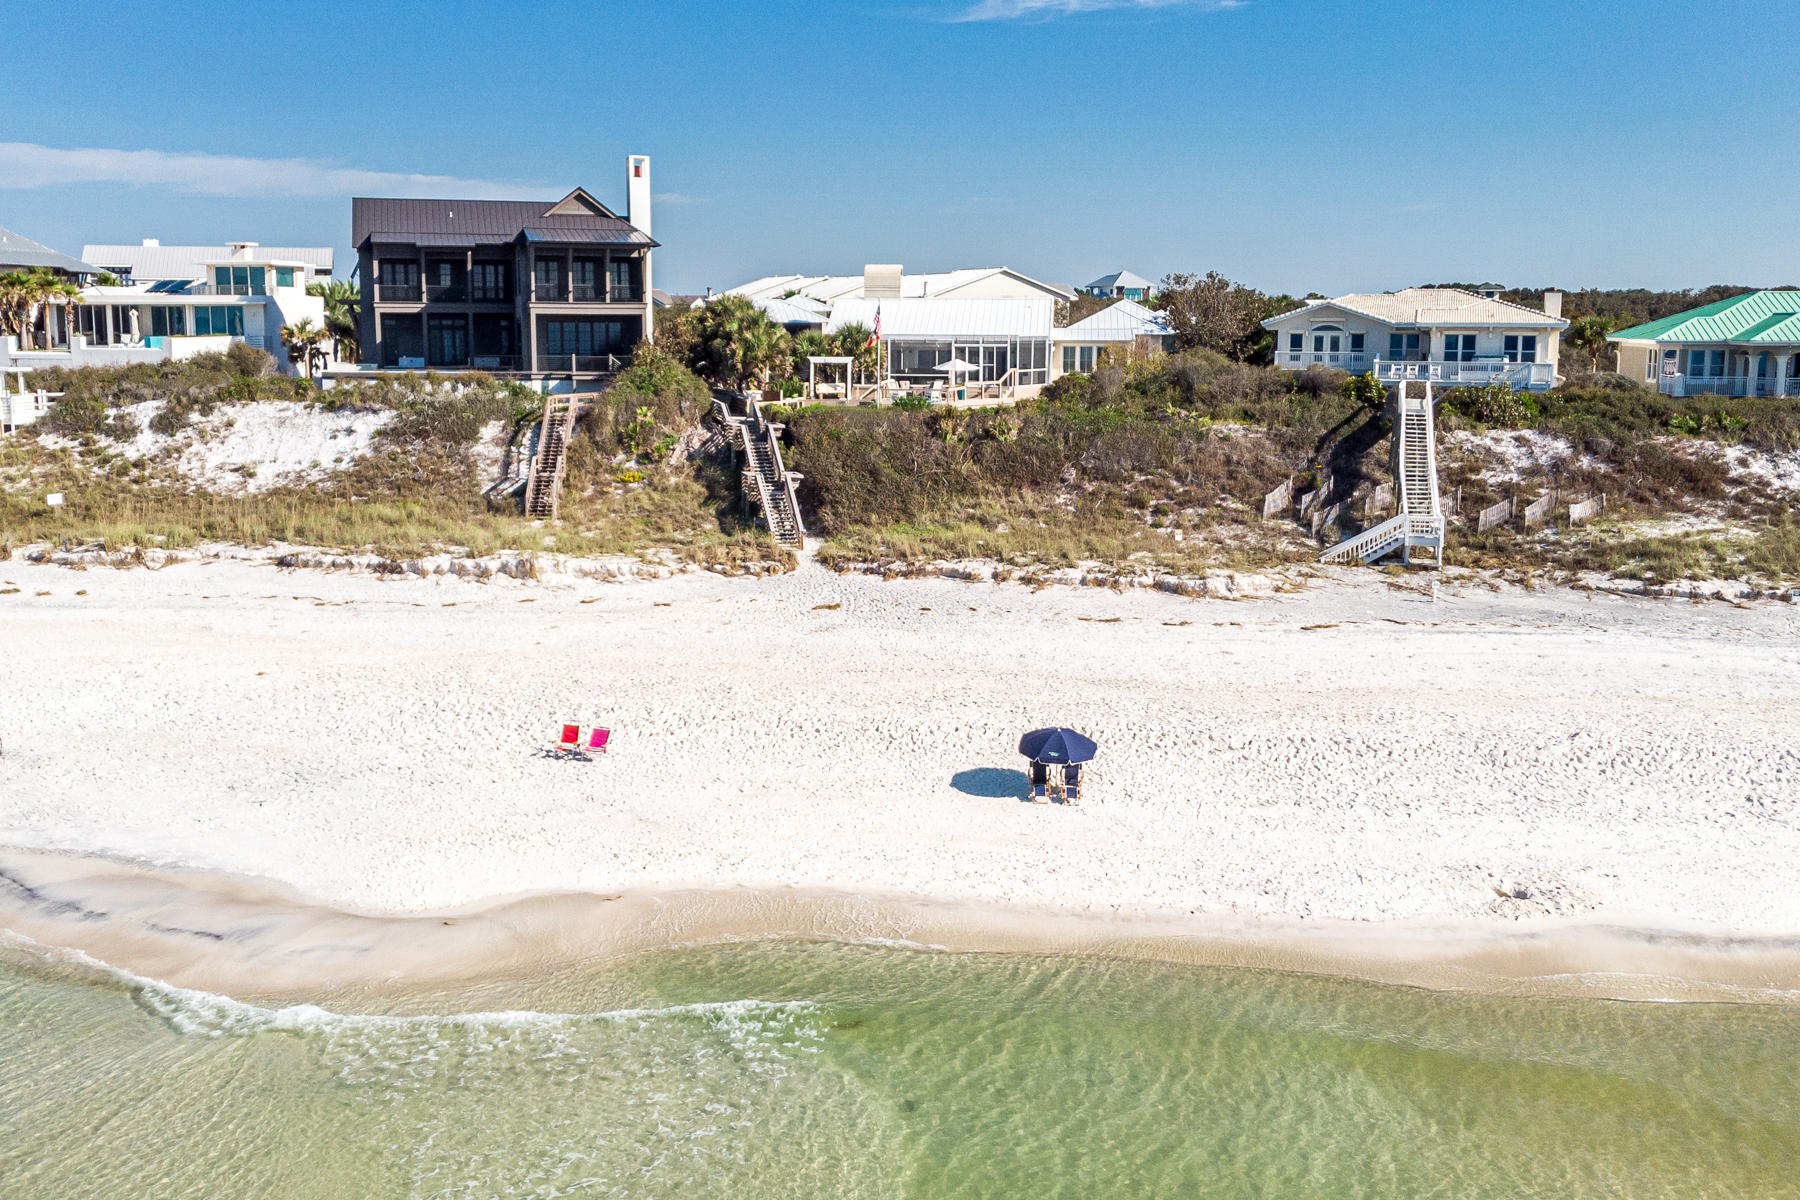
x=543, y=492
x=1420, y=524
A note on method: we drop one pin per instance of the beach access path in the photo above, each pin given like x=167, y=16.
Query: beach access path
x=1353, y=751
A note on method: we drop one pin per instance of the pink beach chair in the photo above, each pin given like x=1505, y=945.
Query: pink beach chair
x=598, y=739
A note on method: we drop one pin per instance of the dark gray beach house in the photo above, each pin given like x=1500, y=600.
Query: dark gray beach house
x=544, y=291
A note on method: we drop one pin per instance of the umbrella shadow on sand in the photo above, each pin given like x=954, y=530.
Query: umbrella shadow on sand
x=992, y=783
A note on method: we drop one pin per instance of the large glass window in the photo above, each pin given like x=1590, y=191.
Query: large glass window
x=489, y=281
x=399, y=279
x=1087, y=359
x=168, y=322
x=216, y=319
x=496, y=337
x=1520, y=348
x=402, y=340
x=1706, y=363
x=622, y=279
x=584, y=339
x=1068, y=359
x=1296, y=342
x=284, y=277
x=1459, y=347
x=1403, y=347
x=584, y=280
x=548, y=274
x=447, y=342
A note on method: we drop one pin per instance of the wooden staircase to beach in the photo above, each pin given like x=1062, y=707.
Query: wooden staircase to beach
x=543, y=492
x=1420, y=524
x=767, y=482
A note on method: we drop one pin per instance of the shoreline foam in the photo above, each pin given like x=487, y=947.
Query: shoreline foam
x=203, y=931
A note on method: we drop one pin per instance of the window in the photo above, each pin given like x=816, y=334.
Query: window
x=1087, y=359
x=399, y=280
x=1356, y=343
x=1459, y=347
x=1068, y=359
x=1296, y=342
x=402, y=337
x=216, y=319
x=1403, y=347
x=447, y=342
x=1520, y=348
x=495, y=337
x=1328, y=338
x=584, y=275
x=584, y=339
x=441, y=274
x=621, y=276
x=168, y=322
x=549, y=279
x=284, y=277
x=1706, y=362
x=489, y=281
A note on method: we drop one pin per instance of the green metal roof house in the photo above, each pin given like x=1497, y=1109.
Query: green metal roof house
x=1748, y=345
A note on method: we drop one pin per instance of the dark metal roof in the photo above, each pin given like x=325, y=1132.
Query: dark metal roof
x=17, y=251
x=483, y=222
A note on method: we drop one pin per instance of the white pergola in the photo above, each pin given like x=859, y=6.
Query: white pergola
x=814, y=362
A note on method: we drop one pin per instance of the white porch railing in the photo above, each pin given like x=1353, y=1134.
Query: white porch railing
x=18, y=409
x=1476, y=373
x=1726, y=385
x=1356, y=363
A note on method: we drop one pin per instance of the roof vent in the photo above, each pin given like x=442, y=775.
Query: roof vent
x=152, y=242
x=881, y=281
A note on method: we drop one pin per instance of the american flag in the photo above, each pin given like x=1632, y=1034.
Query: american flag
x=876, y=336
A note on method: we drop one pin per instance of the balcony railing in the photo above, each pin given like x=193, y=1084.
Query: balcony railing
x=1355, y=361
x=404, y=293
x=583, y=364
x=205, y=288
x=445, y=291
x=1475, y=373
x=589, y=293
x=1727, y=385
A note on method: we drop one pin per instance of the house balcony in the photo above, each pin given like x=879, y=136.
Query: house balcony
x=398, y=293
x=587, y=293
x=451, y=293
x=203, y=288
x=1355, y=362
x=583, y=364
x=1727, y=385
x=1480, y=372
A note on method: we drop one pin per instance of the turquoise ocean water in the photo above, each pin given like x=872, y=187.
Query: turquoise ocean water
x=798, y=1069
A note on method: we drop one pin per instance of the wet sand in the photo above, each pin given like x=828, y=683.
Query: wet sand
x=254, y=939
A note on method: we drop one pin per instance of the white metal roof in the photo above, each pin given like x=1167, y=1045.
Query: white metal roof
x=1122, y=322
x=1124, y=279
x=830, y=288
x=1429, y=307
x=190, y=262
x=949, y=318
x=796, y=311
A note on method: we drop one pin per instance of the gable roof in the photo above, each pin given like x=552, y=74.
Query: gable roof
x=17, y=251
x=1429, y=308
x=949, y=316
x=1124, y=279
x=144, y=263
x=1124, y=321
x=831, y=288
x=577, y=217
x=1754, y=317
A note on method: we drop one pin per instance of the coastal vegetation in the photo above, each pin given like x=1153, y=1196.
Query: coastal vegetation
x=117, y=440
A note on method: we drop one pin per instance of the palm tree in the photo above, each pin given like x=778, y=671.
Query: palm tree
x=764, y=351
x=23, y=293
x=302, y=339
x=1589, y=333
x=341, y=300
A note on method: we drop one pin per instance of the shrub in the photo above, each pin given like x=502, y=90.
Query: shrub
x=1496, y=405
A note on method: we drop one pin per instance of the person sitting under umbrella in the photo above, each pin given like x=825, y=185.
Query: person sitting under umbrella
x=1059, y=747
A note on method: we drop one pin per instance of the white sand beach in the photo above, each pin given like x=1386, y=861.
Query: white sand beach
x=1351, y=752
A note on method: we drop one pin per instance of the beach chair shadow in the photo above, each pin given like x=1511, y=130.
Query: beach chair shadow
x=992, y=783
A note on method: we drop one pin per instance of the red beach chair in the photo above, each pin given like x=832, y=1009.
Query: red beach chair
x=598, y=739
x=571, y=740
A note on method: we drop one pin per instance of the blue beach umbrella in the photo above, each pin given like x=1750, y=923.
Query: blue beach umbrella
x=1057, y=745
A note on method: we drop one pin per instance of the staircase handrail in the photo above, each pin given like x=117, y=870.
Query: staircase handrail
x=1360, y=544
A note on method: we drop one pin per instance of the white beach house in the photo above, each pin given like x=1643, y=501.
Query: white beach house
x=891, y=282
x=1005, y=342
x=1121, y=285
x=175, y=302
x=1127, y=329
x=1446, y=335
x=1748, y=345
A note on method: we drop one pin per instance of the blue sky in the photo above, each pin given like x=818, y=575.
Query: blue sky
x=1296, y=145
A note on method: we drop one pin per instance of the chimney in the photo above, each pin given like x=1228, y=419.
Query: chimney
x=882, y=281
x=637, y=192
x=1553, y=304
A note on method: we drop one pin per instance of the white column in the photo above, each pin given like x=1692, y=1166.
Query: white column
x=1780, y=379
